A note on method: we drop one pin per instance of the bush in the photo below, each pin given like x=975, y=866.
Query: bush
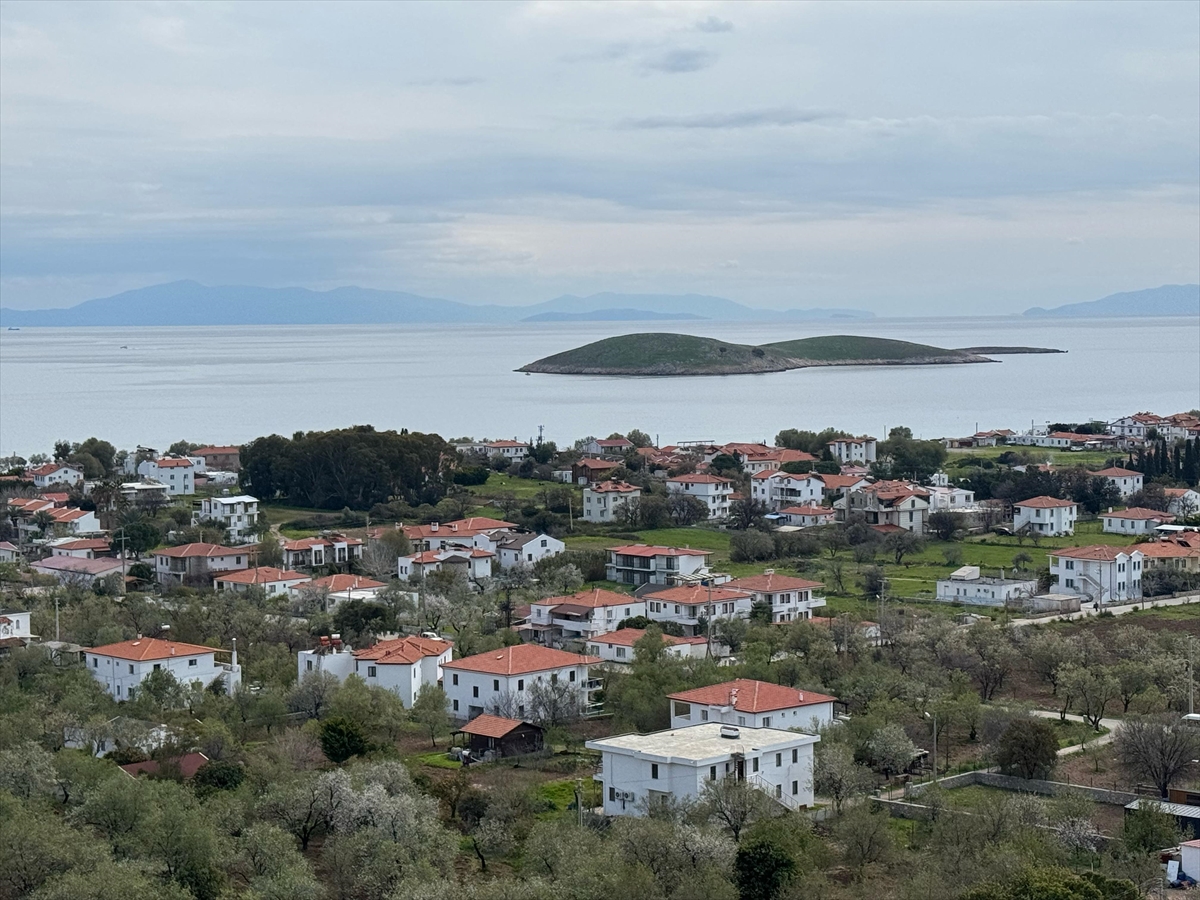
x=217, y=775
x=341, y=739
x=751, y=546
x=472, y=475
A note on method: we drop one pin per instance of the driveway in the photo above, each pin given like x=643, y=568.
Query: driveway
x=1110, y=724
x=1115, y=610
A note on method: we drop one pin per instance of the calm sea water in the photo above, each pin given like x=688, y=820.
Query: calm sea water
x=229, y=384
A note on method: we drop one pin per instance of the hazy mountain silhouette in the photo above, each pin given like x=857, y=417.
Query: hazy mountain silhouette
x=1168, y=300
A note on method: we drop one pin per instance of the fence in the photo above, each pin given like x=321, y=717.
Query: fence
x=1029, y=786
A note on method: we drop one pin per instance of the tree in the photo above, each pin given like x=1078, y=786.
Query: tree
x=430, y=709
x=745, y=514
x=639, y=438
x=1054, y=884
x=734, y=804
x=994, y=656
x=217, y=775
x=1028, y=748
x=902, y=543
x=873, y=582
x=1092, y=689
x=1159, y=749
x=313, y=694
x=890, y=749
x=751, y=546
x=761, y=870
x=342, y=738
x=866, y=839
x=554, y=702
x=686, y=509
x=837, y=776
x=943, y=524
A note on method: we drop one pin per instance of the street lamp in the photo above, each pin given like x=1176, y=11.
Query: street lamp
x=933, y=716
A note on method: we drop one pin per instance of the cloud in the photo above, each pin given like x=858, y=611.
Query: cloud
x=463, y=81
x=713, y=25
x=751, y=118
x=682, y=59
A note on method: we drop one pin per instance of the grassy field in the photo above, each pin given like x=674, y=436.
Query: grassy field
x=1093, y=459
x=522, y=488
x=847, y=347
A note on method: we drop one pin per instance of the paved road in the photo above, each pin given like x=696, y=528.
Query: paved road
x=1110, y=724
x=1115, y=610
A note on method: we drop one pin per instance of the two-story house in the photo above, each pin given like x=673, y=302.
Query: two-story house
x=526, y=549
x=639, y=770
x=757, y=461
x=1128, y=482
x=54, y=473
x=807, y=516
x=579, y=617
x=607, y=501
x=1136, y=520
x=402, y=665
x=473, y=563
x=759, y=704
x=778, y=489
x=196, y=563
x=617, y=446
x=639, y=564
x=1100, y=574
x=178, y=473
x=476, y=531
x=237, y=515
x=500, y=682
x=1047, y=516
x=220, y=459
x=617, y=646
x=120, y=668
x=788, y=597
x=267, y=579
x=854, y=450
x=710, y=490
x=897, y=503
x=514, y=450
x=331, y=549
x=692, y=604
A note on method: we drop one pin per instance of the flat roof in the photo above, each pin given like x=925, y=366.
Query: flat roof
x=701, y=744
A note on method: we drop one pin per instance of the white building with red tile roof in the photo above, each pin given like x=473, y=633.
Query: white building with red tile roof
x=54, y=473
x=1134, y=521
x=617, y=646
x=690, y=605
x=81, y=548
x=401, y=665
x=475, y=531
x=778, y=489
x=789, y=598
x=64, y=520
x=178, y=473
x=757, y=704
x=514, y=450
x=76, y=571
x=120, y=668
x=854, y=449
x=223, y=459
x=1048, y=516
x=331, y=549
x=807, y=516
x=474, y=564
x=1183, y=502
x=712, y=491
x=237, y=514
x=1128, y=482
x=197, y=562
x=759, y=461
x=607, y=501
x=500, y=682
x=268, y=579
x=895, y=503
x=9, y=553
x=526, y=548
x=578, y=617
x=1100, y=574
x=640, y=564
x=618, y=446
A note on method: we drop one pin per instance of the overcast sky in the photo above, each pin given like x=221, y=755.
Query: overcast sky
x=910, y=158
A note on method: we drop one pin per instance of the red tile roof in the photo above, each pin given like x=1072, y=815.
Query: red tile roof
x=752, y=696
x=1102, y=552
x=188, y=551
x=650, y=551
x=461, y=527
x=597, y=464
x=627, y=637
x=696, y=594
x=769, y=584
x=337, y=583
x=1045, y=503
x=216, y=451
x=490, y=726
x=520, y=659
x=596, y=598
x=839, y=482
x=1139, y=513
x=403, y=651
x=171, y=463
x=699, y=479
x=142, y=649
x=84, y=544
x=613, y=487
x=807, y=511
x=260, y=575
x=189, y=764
x=501, y=444
x=310, y=542
x=1116, y=472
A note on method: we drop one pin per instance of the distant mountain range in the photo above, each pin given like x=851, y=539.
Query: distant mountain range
x=192, y=303
x=1168, y=300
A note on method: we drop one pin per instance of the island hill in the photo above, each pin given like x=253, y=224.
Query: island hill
x=685, y=354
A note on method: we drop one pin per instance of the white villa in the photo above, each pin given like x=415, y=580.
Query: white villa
x=888, y=503
x=402, y=665
x=581, y=616
x=473, y=563
x=178, y=473
x=790, y=598
x=1100, y=574
x=54, y=473
x=175, y=565
x=1127, y=481
x=478, y=531
x=854, y=450
x=807, y=516
x=1134, y=521
x=518, y=549
x=120, y=668
x=237, y=515
x=687, y=604
x=778, y=489
x=515, y=450
x=636, y=770
x=617, y=646
x=499, y=681
x=1047, y=516
x=268, y=579
x=710, y=490
x=639, y=564
x=602, y=501
x=759, y=704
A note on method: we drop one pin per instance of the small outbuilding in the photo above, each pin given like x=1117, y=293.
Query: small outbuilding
x=500, y=736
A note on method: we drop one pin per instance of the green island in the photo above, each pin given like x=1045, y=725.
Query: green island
x=685, y=354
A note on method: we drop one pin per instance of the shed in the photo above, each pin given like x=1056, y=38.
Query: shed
x=501, y=736
x=1189, y=859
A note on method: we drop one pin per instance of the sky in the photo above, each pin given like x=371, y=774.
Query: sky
x=908, y=158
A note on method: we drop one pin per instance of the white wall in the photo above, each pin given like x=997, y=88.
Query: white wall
x=811, y=717
x=475, y=692
x=117, y=676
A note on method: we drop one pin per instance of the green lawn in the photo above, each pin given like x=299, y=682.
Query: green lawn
x=1092, y=459
x=521, y=488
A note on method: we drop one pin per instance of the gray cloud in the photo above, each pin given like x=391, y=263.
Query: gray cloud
x=682, y=59
x=713, y=25
x=752, y=118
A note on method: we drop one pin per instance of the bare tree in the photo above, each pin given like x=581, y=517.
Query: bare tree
x=1159, y=749
x=554, y=702
x=313, y=695
x=734, y=803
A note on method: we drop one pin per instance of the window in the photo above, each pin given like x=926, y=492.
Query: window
x=612, y=794
x=754, y=764
x=779, y=790
x=712, y=773
x=475, y=691
x=704, y=715
x=95, y=663
x=795, y=788
x=456, y=706
x=520, y=684
x=131, y=668
x=766, y=722
x=741, y=720
x=496, y=684
x=620, y=653
x=157, y=666
x=571, y=677
x=371, y=670
x=778, y=760
x=654, y=770
x=553, y=678
x=454, y=678
x=193, y=662
x=795, y=757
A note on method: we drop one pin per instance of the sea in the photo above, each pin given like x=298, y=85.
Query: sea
x=229, y=384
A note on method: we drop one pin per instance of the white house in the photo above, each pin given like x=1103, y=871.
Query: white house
x=710, y=490
x=854, y=450
x=1099, y=574
x=1127, y=482
x=603, y=501
x=807, y=516
x=967, y=585
x=686, y=605
x=266, y=578
x=14, y=623
x=9, y=553
x=637, y=770
x=178, y=473
x=618, y=446
x=145, y=493
x=339, y=588
x=1189, y=859
x=476, y=531
x=1182, y=501
x=514, y=450
x=756, y=461
x=778, y=489
x=237, y=515
x=81, y=548
x=790, y=598
x=1135, y=520
x=617, y=646
x=331, y=549
x=838, y=485
x=121, y=668
x=758, y=704
x=581, y=616
x=500, y=681
x=517, y=549
x=888, y=503
x=640, y=564
x=54, y=473
x=175, y=565
x=1046, y=515
x=402, y=665
x=66, y=519
x=473, y=563
x=946, y=498
x=1136, y=425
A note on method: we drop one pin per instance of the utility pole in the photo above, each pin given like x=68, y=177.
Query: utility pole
x=124, y=562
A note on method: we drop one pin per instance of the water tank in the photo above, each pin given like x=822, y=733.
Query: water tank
x=731, y=732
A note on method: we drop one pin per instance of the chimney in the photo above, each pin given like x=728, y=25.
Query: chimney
x=433, y=526
x=234, y=659
x=1110, y=509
